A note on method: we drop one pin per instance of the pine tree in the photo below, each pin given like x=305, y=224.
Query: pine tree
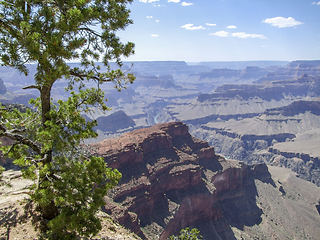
x=69, y=188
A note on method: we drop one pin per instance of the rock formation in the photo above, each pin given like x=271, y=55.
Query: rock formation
x=293, y=70
x=246, y=73
x=286, y=136
x=165, y=67
x=239, y=65
x=23, y=98
x=303, y=86
x=3, y=89
x=304, y=64
x=163, y=81
x=171, y=180
x=253, y=73
x=114, y=122
x=11, y=98
x=220, y=73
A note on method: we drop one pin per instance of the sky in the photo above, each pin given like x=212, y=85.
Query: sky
x=224, y=30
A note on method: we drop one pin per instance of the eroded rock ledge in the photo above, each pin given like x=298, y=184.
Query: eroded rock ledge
x=171, y=180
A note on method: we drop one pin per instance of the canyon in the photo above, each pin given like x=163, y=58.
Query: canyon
x=236, y=141
x=172, y=180
x=219, y=101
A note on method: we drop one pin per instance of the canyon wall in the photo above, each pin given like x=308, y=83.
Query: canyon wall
x=171, y=180
x=285, y=136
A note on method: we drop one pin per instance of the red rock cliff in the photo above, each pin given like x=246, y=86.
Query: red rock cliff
x=171, y=180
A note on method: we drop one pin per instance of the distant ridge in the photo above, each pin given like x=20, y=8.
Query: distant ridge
x=182, y=67
x=165, y=67
x=304, y=63
x=239, y=65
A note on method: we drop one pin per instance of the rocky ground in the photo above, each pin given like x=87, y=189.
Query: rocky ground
x=18, y=218
x=288, y=206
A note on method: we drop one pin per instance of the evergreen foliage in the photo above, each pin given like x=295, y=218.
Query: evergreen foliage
x=69, y=188
x=1, y=172
x=187, y=234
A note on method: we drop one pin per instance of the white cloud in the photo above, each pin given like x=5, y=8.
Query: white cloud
x=282, y=22
x=148, y=1
x=316, y=3
x=185, y=4
x=189, y=26
x=247, y=35
x=237, y=34
x=174, y=1
x=220, y=34
x=157, y=20
x=231, y=26
x=211, y=24
x=149, y=16
x=154, y=35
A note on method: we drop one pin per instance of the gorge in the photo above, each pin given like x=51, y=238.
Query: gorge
x=171, y=180
x=181, y=172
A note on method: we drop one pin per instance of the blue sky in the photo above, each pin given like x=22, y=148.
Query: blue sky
x=224, y=30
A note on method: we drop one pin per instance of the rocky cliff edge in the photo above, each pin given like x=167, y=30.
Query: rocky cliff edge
x=171, y=180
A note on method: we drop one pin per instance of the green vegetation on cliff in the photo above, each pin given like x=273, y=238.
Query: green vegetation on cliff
x=69, y=188
x=187, y=234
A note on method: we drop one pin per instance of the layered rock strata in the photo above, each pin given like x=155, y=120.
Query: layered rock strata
x=286, y=137
x=171, y=180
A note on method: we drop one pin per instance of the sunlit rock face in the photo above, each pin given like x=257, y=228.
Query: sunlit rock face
x=171, y=180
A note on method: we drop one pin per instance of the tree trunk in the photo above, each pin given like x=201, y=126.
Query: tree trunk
x=49, y=211
x=45, y=95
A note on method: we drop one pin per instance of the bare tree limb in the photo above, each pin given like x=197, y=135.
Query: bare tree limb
x=32, y=86
x=82, y=76
x=19, y=138
x=90, y=30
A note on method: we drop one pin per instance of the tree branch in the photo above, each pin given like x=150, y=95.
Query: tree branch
x=36, y=161
x=10, y=149
x=82, y=76
x=91, y=31
x=21, y=139
x=32, y=86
